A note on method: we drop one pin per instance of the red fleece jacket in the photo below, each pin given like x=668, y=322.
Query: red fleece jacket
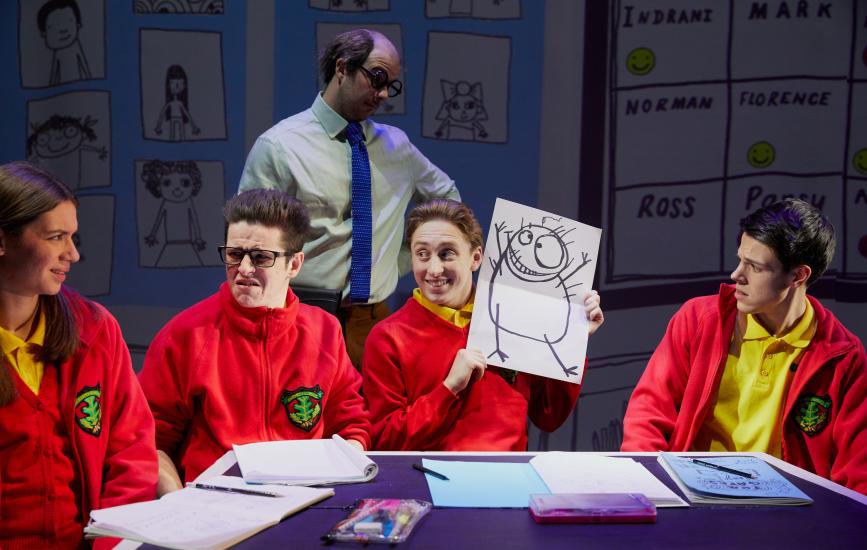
x=407, y=357
x=824, y=421
x=220, y=373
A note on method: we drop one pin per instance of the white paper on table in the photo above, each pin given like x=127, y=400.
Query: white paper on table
x=528, y=314
x=304, y=462
x=566, y=472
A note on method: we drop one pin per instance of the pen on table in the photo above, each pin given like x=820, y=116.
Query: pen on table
x=723, y=468
x=437, y=475
x=234, y=490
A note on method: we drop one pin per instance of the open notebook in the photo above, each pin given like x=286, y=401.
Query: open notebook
x=304, y=462
x=202, y=519
x=706, y=485
x=508, y=485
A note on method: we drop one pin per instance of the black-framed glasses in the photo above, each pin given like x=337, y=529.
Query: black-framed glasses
x=379, y=80
x=231, y=255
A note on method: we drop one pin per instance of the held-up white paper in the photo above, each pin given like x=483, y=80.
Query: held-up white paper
x=529, y=307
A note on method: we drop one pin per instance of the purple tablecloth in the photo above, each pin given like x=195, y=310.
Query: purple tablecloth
x=832, y=521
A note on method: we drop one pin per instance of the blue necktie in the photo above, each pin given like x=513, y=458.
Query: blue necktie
x=362, y=217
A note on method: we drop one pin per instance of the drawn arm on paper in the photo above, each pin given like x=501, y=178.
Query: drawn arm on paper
x=534, y=257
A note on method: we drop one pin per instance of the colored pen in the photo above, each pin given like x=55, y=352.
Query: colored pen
x=421, y=468
x=723, y=468
x=234, y=490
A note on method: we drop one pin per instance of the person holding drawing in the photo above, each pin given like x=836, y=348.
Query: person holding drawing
x=425, y=390
x=75, y=430
x=250, y=363
x=761, y=366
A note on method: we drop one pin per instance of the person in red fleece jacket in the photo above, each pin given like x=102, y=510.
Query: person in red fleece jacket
x=761, y=366
x=76, y=433
x=250, y=363
x=425, y=390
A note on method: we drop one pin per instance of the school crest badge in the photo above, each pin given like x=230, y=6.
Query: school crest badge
x=812, y=413
x=88, y=409
x=303, y=406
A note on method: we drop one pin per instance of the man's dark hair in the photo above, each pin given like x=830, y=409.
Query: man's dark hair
x=271, y=208
x=53, y=5
x=352, y=47
x=797, y=232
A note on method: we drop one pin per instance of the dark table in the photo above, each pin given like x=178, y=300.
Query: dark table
x=833, y=520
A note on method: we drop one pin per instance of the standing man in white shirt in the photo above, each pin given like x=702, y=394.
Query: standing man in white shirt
x=355, y=177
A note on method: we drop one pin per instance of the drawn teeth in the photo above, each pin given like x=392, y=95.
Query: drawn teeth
x=520, y=265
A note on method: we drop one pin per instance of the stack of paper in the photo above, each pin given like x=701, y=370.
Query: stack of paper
x=703, y=484
x=508, y=485
x=202, y=519
x=304, y=462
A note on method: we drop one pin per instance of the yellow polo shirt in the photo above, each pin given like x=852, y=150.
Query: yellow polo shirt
x=758, y=371
x=22, y=355
x=460, y=317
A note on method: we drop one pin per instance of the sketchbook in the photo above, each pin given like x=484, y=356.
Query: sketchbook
x=706, y=485
x=509, y=485
x=304, y=462
x=201, y=519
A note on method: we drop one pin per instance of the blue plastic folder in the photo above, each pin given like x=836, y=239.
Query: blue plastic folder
x=483, y=484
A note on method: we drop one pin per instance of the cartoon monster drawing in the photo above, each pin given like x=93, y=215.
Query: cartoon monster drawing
x=461, y=111
x=176, y=109
x=535, y=254
x=58, y=143
x=176, y=183
x=59, y=23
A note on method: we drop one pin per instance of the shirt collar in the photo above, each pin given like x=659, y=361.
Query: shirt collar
x=9, y=342
x=460, y=317
x=331, y=122
x=799, y=336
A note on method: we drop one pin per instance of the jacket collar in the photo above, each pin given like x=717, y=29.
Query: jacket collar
x=255, y=323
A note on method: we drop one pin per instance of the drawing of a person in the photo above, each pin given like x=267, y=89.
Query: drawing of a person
x=57, y=145
x=461, y=111
x=176, y=183
x=175, y=110
x=59, y=23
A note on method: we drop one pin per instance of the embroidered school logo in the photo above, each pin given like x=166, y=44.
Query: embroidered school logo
x=88, y=409
x=812, y=413
x=303, y=406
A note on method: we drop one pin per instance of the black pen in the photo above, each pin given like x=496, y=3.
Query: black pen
x=723, y=468
x=234, y=490
x=421, y=468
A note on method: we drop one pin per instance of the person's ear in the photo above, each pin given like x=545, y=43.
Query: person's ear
x=800, y=275
x=2, y=243
x=477, y=258
x=295, y=263
x=340, y=70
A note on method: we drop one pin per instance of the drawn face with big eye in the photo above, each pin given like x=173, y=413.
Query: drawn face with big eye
x=463, y=108
x=61, y=28
x=176, y=187
x=57, y=142
x=536, y=254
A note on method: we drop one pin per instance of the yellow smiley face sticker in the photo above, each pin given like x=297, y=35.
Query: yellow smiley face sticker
x=640, y=61
x=761, y=154
x=859, y=161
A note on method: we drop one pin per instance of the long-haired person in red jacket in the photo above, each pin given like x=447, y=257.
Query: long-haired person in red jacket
x=425, y=389
x=76, y=433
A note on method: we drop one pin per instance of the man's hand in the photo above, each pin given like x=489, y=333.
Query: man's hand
x=469, y=364
x=592, y=307
x=355, y=443
x=169, y=480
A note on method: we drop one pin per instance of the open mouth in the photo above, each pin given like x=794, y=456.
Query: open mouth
x=518, y=265
x=438, y=283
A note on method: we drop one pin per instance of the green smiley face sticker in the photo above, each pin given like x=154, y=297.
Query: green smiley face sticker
x=859, y=161
x=640, y=61
x=761, y=154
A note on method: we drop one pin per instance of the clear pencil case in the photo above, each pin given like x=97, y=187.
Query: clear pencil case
x=383, y=520
x=592, y=508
